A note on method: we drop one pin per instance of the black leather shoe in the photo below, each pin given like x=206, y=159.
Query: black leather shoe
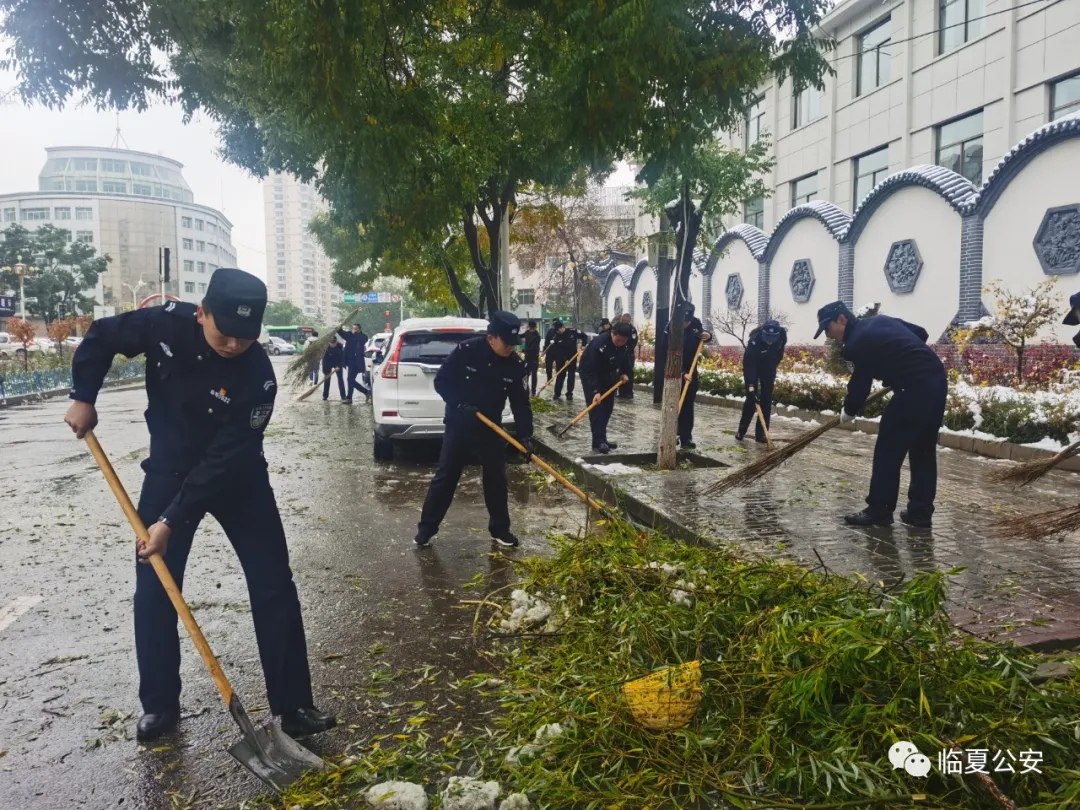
x=613, y=445
x=508, y=540
x=740, y=436
x=347, y=401
x=915, y=520
x=422, y=540
x=154, y=724
x=868, y=518
x=303, y=722
x=603, y=447
x=569, y=397
x=687, y=445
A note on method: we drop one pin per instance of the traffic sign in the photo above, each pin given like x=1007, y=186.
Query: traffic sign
x=370, y=298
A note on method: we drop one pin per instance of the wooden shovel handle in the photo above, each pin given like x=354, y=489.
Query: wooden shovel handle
x=606, y=394
x=315, y=387
x=543, y=465
x=565, y=366
x=693, y=367
x=764, y=427
x=167, y=581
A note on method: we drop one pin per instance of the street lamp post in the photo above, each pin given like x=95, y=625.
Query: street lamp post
x=20, y=270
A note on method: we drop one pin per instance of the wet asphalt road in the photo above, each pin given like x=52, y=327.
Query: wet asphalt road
x=375, y=610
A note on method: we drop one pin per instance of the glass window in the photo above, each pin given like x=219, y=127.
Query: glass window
x=189, y=266
x=188, y=244
x=202, y=286
x=202, y=267
x=189, y=286
x=9, y=215
x=141, y=188
x=84, y=164
x=61, y=213
x=84, y=236
x=959, y=21
x=200, y=246
x=112, y=187
x=1065, y=97
x=870, y=169
x=211, y=247
x=804, y=189
x=56, y=184
x=114, y=166
x=526, y=298
x=159, y=191
x=754, y=212
x=874, y=57
x=84, y=213
x=86, y=185
x=198, y=224
x=35, y=213
x=142, y=169
x=210, y=226
x=185, y=222
x=806, y=107
x=960, y=146
x=755, y=122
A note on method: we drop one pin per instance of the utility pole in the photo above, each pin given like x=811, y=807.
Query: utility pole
x=504, y=259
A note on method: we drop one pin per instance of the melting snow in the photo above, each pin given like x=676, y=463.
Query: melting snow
x=469, y=793
x=397, y=796
x=515, y=801
x=615, y=469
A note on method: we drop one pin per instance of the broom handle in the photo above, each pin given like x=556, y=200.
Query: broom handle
x=606, y=394
x=566, y=365
x=543, y=465
x=693, y=367
x=761, y=421
x=167, y=581
x=315, y=387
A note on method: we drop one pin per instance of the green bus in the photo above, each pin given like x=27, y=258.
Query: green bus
x=295, y=335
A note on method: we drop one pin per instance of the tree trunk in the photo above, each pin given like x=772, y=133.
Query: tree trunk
x=576, y=271
x=1020, y=364
x=467, y=307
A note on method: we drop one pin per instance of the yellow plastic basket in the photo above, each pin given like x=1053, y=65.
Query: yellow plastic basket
x=668, y=698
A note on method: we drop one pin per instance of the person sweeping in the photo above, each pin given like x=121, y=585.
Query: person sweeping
x=764, y=351
x=693, y=334
x=530, y=341
x=333, y=360
x=895, y=352
x=605, y=361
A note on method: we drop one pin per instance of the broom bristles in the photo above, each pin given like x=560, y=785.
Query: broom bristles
x=1038, y=525
x=1029, y=471
x=300, y=369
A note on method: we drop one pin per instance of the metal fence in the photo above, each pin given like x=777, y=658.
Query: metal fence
x=19, y=383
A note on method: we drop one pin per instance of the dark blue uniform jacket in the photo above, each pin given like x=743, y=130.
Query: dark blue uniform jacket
x=603, y=363
x=474, y=376
x=761, y=357
x=354, y=348
x=890, y=350
x=334, y=358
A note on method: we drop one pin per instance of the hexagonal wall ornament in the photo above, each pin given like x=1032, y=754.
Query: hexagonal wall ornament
x=733, y=291
x=903, y=265
x=1057, y=242
x=618, y=307
x=647, y=304
x=802, y=280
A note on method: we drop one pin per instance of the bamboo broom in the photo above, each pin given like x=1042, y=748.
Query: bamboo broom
x=1038, y=525
x=769, y=462
x=1030, y=471
x=303, y=366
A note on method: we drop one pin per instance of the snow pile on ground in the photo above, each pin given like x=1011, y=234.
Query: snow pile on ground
x=524, y=753
x=667, y=569
x=615, y=469
x=515, y=801
x=469, y=793
x=397, y=796
x=528, y=612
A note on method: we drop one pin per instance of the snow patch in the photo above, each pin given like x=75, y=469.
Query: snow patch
x=515, y=801
x=615, y=469
x=397, y=796
x=528, y=612
x=524, y=753
x=469, y=793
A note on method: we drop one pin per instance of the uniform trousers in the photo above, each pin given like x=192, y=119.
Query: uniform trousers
x=532, y=366
x=627, y=391
x=601, y=414
x=686, y=415
x=568, y=377
x=763, y=391
x=326, y=383
x=354, y=372
x=461, y=444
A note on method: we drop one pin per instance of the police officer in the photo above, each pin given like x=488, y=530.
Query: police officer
x=763, y=353
x=604, y=362
x=693, y=333
x=605, y=326
x=895, y=352
x=1073, y=317
x=333, y=360
x=567, y=341
x=627, y=391
x=531, y=345
x=478, y=377
x=355, y=343
x=211, y=392
x=549, y=347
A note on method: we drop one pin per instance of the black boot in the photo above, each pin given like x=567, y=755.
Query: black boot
x=603, y=447
x=154, y=724
x=915, y=519
x=868, y=517
x=687, y=444
x=302, y=722
x=612, y=445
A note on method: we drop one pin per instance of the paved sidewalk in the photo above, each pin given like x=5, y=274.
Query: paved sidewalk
x=1026, y=591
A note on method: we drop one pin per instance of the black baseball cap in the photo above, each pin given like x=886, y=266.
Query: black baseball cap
x=237, y=300
x=688, y=310
x=623, y=330
x=771, y=331
x=1074, y=303
x=505, y=325
x=829, y=313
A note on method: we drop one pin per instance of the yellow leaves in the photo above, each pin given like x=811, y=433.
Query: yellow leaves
x=371, y=119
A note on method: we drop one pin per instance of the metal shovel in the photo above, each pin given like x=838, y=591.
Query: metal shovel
x=267, y=752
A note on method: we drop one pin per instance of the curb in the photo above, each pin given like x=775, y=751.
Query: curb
x=989, y=448
x=40, y=396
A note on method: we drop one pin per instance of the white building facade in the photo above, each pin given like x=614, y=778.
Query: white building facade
x=129, y=205
x=297, y=270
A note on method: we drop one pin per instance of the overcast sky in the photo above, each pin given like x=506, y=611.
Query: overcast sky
x=28, y=130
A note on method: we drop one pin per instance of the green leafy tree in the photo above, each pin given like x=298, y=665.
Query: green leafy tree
x=283, y=313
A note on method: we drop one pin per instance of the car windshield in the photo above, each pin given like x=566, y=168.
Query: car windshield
x=431, y=348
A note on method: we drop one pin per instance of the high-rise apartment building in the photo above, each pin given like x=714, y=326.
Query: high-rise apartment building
x=297, y=270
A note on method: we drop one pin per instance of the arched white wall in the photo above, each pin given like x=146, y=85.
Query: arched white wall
x=646, y=281
x=618, y=290
x=1009, y=229
x=807, y=239
x=737, y=258
x=919, y=214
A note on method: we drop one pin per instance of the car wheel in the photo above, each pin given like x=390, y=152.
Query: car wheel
x=275, y=351
x=384, y=449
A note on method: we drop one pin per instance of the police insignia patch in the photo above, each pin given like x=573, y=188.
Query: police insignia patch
x=260, y=415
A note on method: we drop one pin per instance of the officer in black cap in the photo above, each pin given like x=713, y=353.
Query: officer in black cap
x=530, y=343
x=211, y=392
x=355, y=343
x=1073, y=318
x=763, y=353
x=605, y=325
x=605, y=360
x=333, y=359
x=627, y=391
x=895, y=352
x=549, y=348
x=693, y=333
x=568, y=342
x=478, y=377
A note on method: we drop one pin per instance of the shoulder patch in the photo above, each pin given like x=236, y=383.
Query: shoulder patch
x=182, y=309
x=260, y=415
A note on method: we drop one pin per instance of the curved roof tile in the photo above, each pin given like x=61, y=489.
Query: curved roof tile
x=623, y=272
x=835, y=219
x=955, y=189
x=755, y=241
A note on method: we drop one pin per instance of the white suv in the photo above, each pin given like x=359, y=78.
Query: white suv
x=403, y=394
